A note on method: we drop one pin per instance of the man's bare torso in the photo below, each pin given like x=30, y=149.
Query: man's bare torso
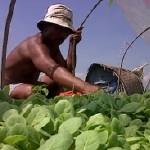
x=19, y=66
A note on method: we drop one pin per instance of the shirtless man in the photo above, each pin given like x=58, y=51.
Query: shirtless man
x=40, y=53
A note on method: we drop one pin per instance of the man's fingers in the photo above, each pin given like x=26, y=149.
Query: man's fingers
x=79, y=30
x=77, y=35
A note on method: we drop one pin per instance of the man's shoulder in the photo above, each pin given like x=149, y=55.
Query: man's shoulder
x=35, y=39
x=29, y=42
x=35, y=45
x=29, y=46
x=34, y=42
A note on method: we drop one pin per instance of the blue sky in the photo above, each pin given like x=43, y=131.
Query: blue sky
x=104, y=36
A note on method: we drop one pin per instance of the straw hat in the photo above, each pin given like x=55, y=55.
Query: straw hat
x=58, y=14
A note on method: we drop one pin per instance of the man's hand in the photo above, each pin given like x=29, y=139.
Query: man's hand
x=76, y=37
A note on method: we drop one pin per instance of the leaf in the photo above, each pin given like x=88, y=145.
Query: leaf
x=4, y=106
x=115, y=148
x=131, y=131
x=124, y=119
x=136, y=122
x=17, y=129
x=96, y=120
x=36, y=99
x=88, y=140
x=50, y=127
x=61, y=141
x=113, y=139
x=3, y=132
x=90, y=108
x=147, y=134
x=60, y=119
x=146, y=146
x=9, y=113
x=63, y=106
x=4, y=95
x=119, y=103
x=39, y=117
x=148, y=124
x=130, y=107
x=102, y=147
x=15, y=119
x=8, y=147
x=135, y=147
x=147, y=112
x=132, y=140
x=146, y=102
x=41, y=89
x=26, y=110
x=103, y=137
x=147, y=94
x=14, y=139
x=71, y=125
x=117, y=126
x=136, y=98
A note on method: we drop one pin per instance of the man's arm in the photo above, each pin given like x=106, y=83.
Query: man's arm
x=46, y=64
x=72, y=57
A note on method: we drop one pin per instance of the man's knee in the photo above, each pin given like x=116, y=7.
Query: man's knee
x=21, y=91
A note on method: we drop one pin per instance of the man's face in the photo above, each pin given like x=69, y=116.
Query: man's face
x=57, y=34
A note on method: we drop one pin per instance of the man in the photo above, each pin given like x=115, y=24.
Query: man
x=40, y=53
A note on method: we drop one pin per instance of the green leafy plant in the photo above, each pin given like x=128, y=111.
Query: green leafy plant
x=96, y=121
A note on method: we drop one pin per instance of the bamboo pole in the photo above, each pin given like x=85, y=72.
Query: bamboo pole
x=81, y=26
x=5, y=40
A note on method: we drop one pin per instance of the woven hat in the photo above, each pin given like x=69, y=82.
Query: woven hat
x=58, y=14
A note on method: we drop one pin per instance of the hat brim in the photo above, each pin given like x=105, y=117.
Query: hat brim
x=41, y=25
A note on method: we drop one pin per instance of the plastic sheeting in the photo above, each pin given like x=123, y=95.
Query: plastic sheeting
x=138, y=14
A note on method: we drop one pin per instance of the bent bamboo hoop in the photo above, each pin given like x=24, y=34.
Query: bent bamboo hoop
x=5, y=39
